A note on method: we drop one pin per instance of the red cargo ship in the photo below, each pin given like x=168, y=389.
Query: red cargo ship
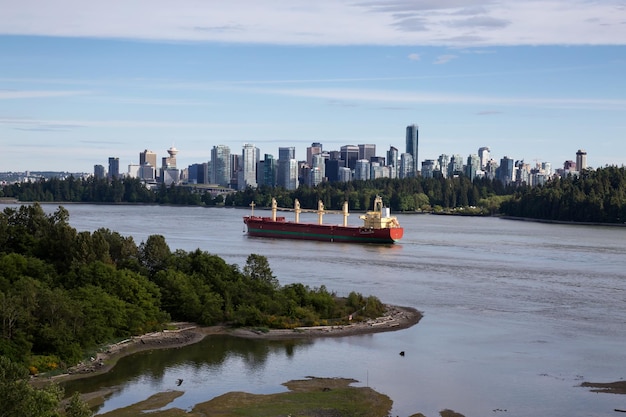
x=378, y=226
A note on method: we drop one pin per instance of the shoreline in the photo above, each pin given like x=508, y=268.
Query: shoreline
x=395, y=318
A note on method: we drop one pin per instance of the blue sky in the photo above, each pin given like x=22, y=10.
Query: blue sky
x=534, y=80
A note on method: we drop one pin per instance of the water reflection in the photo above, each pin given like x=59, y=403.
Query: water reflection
x=220, y=358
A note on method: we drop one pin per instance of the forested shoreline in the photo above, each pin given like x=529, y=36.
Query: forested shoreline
x=63, y=293
x=592, y=196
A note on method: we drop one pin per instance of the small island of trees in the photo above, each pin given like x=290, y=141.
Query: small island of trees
x=64, y=293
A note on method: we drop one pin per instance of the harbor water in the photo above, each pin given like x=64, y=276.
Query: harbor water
x=516, y=314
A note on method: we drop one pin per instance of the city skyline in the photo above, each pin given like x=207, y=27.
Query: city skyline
x=82, y=82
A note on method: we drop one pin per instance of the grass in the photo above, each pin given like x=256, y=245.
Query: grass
x=315, y=397
x=312, y=397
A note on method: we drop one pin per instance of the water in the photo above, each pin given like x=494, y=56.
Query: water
x=516, y=314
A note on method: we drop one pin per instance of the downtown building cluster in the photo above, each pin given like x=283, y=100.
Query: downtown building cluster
x=237, y=171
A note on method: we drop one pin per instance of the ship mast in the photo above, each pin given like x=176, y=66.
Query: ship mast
x=296, y=208
x=274, y=208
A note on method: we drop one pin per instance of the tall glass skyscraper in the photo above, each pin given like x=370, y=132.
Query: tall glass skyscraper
x=411, y=146
x=287, y=168
x=248, y=168
x=114, y=168
x=220, y=161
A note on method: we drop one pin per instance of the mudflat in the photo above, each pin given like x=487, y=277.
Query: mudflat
x=182, y=334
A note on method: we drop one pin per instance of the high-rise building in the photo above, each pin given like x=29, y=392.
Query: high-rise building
x=443, y=161
x=99, y=172
x=581, y=160
x=412, y=146
x=147, y=165
x=505, y=171
x=472, y=167
x=362, y=170
x=287, y=177
x=392, y=160
x=332, y=169
x=220, y=165
x=235, y=167
x=247, y=177
x=484, y=155
x=114, y=168
x=367, y=152
x=314, y=149
x=345, y=174
x=349, y=155
x=378, y=171
x=270, y=166
x=406, y=166
x=148, y=157
x=428, y=168
x=198, y=173
x=318, y=169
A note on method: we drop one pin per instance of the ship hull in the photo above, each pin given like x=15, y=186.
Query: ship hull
x=280, y=229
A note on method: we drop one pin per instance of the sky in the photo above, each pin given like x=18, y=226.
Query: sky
x=534, y=80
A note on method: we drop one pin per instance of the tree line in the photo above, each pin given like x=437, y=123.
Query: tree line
x=101, y=190
x=595, y=196
x=591, y=196
x=63, y=292
x=401, y=195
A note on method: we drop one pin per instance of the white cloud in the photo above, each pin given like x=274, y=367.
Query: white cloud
x=391, y=96
x=444, y=59
x=18, y=94
x=414, y=57
x=326, y=22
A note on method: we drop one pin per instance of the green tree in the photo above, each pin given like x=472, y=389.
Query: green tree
x=19, y=398
x=77, y=408
x=258, y=269
x=154, y=253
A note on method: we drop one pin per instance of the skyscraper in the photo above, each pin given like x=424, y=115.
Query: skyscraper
x=392, y=160
x=581, y=160
x=99, y=172
x=220, y=164
x=406, y=166
x=505, y=171
x=269, y=170
x=318, y=169
x=362, y=170
x=287, y=168
x=147, y=165
x=412, y=146
x=114, y=168
x=443, y=161
x=472, y=166
x=314, y=149
x=367, y=151
x=349, y=155
x=248, y=167
x=148, y=157
x=484, y=155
